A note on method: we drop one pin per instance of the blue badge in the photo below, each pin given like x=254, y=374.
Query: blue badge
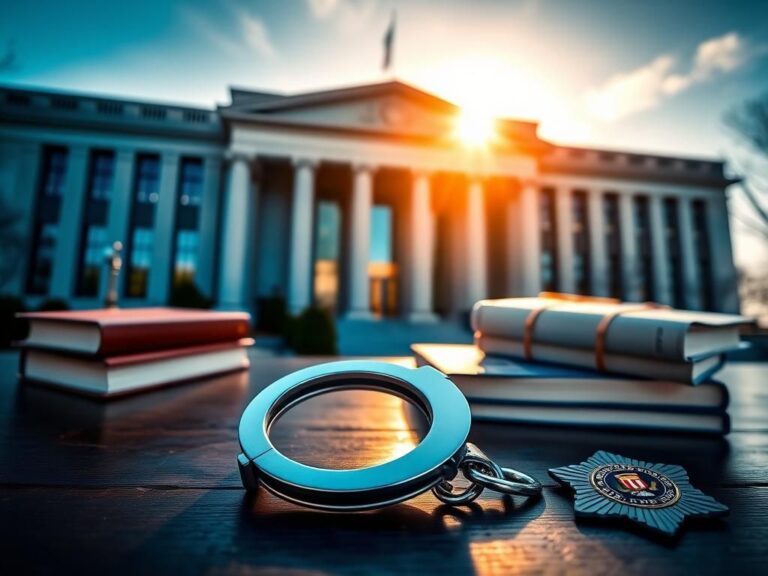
x=658, y=496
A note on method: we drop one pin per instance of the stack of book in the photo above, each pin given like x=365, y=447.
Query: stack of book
x=118, y=351
x=595, y=363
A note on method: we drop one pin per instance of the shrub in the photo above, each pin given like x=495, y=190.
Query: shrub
x=10, y=328
x=312, y=332
x=186, y=294
x=53, y=304
x=272, y=316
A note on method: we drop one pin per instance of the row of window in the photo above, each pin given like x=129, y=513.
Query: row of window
x=582, y=261
x=94, y=240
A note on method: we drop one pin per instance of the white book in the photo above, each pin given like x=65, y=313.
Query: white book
x=693, y=371
x=504, y=380
x=118, y=375
x=715, y=424
x=659, y=333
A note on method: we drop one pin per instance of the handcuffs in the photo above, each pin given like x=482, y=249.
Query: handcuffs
x=432, y=464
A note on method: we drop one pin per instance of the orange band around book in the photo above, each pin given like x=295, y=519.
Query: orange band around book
x=558, y=298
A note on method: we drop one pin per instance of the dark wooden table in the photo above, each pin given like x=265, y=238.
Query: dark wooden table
x=148, y=485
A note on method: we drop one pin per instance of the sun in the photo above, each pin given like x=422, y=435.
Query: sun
x=475, y=127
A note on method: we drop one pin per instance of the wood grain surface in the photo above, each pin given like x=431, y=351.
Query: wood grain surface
x=148, y=484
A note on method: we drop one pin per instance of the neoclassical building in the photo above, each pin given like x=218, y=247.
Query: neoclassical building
x=359, y=199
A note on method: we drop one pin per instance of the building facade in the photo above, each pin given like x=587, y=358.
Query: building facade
x=357, y=199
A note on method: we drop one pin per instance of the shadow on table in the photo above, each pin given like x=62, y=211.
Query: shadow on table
x=535, y=449
x=265, y=533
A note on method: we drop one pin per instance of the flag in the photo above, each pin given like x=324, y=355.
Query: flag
x=389, y=40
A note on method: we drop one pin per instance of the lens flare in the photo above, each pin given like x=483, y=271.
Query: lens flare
x=475, y=127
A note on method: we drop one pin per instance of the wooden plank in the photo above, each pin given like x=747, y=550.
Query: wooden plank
x=187, y=436
x=223, y=532
x=149, y=483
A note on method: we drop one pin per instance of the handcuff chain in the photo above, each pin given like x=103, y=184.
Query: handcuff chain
x=482, y=472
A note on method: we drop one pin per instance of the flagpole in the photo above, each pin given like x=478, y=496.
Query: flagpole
x=389, y=45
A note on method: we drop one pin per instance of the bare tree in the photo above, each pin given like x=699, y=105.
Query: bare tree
x=749, y=122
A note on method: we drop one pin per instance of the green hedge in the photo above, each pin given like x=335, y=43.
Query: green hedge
x=311, y=332
x=186, y=294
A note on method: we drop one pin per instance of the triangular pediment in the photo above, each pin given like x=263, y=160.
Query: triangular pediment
x=391, y=107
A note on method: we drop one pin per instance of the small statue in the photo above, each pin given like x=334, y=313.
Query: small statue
x=115, y=263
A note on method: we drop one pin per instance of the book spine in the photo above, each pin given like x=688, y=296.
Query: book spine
x=130, y=338
x=637, y=407
x=721, y=429
x=580, y=358
x=625, y=335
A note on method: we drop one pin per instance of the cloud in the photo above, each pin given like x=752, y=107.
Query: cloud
x=718, y=55
x=625, y=94
x=256, y=35
x=250, y=31
x=647, y=86
x=321, y=9
x=348, y=15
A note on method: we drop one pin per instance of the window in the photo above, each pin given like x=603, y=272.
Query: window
x=187, y=237
x=381, y=233
x=55, y=171
x=141, y=236
x=186, y=256
x=581, y=259
x=140, y=260
x=613, y=244
x=382, y=271
x=701, y=241
x=93, y=260
x=147, y=180
x=191, y=185
x=46, y=222
x=548, y=240
x=327, y=249
x=672, y=239
x=94, y=241
x=102, y=175
x=644, y=250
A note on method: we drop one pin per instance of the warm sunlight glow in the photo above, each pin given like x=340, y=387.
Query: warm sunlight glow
x=502, y=87
x=475, y=127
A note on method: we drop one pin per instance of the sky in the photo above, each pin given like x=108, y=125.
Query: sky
x=653, y=76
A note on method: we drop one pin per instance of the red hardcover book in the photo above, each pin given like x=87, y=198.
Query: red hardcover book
x=130, y=373
x=113, y=331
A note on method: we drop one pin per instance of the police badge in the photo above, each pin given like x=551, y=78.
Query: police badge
x=658, y=496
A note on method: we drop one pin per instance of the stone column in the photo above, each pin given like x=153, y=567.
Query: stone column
x=65, y=264
x=360, y=243
x=422, y=238
x=530, y=233
x=300, y=272
x=688, y=255
x=725, y=282
x=119, y=210
x=598, y=252
x=236, y=224
x=165, y=221
x=662, y=287
x=209, y=218
x=476, y=269
x=564, y=225
x=629, y=277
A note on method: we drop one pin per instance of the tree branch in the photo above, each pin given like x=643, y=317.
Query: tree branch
x=753, y=227
x=752, y=197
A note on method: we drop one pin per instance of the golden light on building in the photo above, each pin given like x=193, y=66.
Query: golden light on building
x=475, y=127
